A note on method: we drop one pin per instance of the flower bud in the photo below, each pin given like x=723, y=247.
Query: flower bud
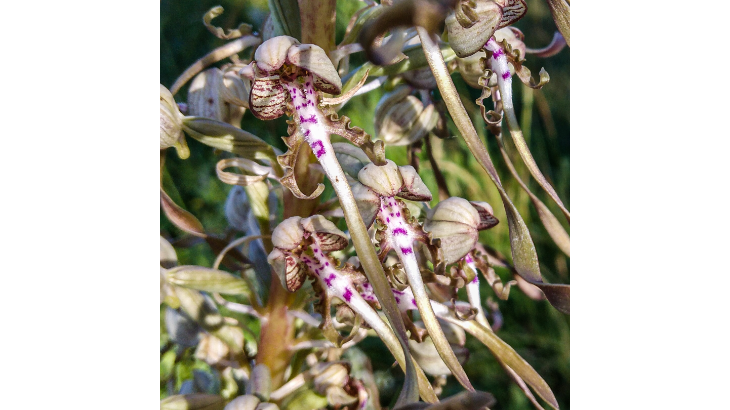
x=247, y=402
x=271, y=54
x=213, y=95
x=288, y=234
x=467, y=41
x=171, y=134
x=471, y=69
x=456, y=222
x=401, y=119
x=329, y=379
x=385, y=180
x=428, y=357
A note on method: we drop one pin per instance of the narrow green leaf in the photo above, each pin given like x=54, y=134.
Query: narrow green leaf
x=226, y=137
x=507, y=355
x=524, y=254
x=208, y=280
x=285, y=17
x=549, y=221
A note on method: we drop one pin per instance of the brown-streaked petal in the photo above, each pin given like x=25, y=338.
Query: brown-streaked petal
x=272, y=53
x=413, y=187
x=330, y=238
x=512, y=10
x=313, y=59
x=267, y=100
x=486, y=215
x=287, y=268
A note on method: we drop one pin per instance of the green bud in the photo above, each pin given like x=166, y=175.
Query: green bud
x=171, y=134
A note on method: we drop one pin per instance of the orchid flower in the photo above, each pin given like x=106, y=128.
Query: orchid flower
x=456, y=223
x=302, y=250
x=378, y=194
x=289, y=78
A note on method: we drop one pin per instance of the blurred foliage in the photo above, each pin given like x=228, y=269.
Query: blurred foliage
x=537, y=331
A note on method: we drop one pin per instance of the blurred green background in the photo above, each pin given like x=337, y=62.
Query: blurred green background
x=538, y=332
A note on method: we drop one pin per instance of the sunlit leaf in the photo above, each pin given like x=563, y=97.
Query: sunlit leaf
x=507, y=355
x=208, y=280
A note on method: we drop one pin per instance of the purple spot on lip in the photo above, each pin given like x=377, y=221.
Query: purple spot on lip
x=326, y=264
x=506, y=75
x=329, y=280
x=387, y=219
x=413, y=301
x=398, y=214
x=318, y=151
x=397, y=299
x=475, y=280
x=497, y=54
x=348, y=294
x=406, y=251
x=399, y=231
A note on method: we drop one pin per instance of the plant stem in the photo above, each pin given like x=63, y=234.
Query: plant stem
x=311, y=123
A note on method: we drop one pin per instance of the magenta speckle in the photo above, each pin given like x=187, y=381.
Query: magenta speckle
x=329, y=280
x=391, y=214
x=306, y=133
x=307, y=83
x=399, y=231
x=397, y=299
x=318, y=148
x=348, y=294
x=387, y=219
x=398, y=214
x=497, y=54
x=413, y=301
x=468, y=258
x=475, y=280
x=326, y=264
x=506, y=75
x=397, y=291
x=406, y=251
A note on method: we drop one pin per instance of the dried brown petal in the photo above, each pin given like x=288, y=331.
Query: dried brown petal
x=330, y=238
x=486, y=215
x=413, y=187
